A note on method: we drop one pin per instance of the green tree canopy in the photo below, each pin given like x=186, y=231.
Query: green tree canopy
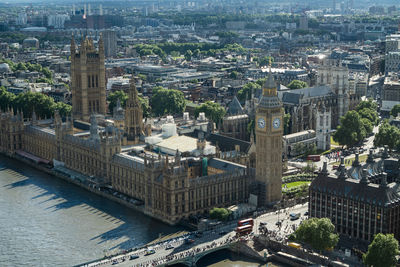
x=6, y=99
x=245, y=93
x=167, y=101
x=264, y=61
x=145, y=106
x=382, y=251
x=234, y=75
x=196, y=53
x=43, y=105
x=113, y=99
x=395, y=110
x=370, y=104
x=387, y=135
x=142, y=77
x=63, y=109
x=188, y=55
x=221, y=214
x=369, y=114
x=286, y=123
x=213, y=111
x=122, y=96
x=368, y=126
x=351, y=129
x=319, y=233
x=297, y=84
x=47, y=73
x=29, y=101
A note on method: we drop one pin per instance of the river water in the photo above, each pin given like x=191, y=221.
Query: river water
x=226, y=258
x=45, y=221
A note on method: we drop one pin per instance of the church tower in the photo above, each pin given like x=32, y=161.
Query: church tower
x=133, y=115
x=269, y=132
x=88, y=79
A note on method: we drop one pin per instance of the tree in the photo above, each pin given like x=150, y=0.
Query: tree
x=370, y=104
x=382, y=251
x=145, y=106
x=299, y=148
x=245, y=93
x=46, y=72
x=395, y=110
x=286, y=123
x=29, y=101
x=142, y=77
x=387, y=135
x=196, y=53
x=167, y=101
x=220, y=214
x=234, y=75
x=21, y=66
x=297, y=84
x=368, y=126
x=310, y=149
x=44, y=80
x=113, y=99
x=264, y=61
x=370, y=114
x=213, y=111
x=188, y=55
x=351, y=129
x=63, y=109
x=6, y=99
x=318, y=232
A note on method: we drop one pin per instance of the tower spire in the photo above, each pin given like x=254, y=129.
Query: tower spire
x=270, y=85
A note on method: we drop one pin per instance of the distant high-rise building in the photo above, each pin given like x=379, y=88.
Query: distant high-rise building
x=22, y=19
x=110, y=43
x=57, y=21
x=303, y=22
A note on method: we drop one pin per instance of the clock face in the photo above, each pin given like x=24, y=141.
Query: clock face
x=261, y=123
x=276, y=123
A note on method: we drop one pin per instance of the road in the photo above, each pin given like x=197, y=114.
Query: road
x=367, y=145
x=209, y=239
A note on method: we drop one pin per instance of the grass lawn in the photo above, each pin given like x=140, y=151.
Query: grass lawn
x=333, y=143
x=349, y=161
x=294, y=184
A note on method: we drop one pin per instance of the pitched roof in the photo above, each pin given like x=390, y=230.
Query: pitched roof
x=294, y=96
x=234, y=107
x=352, y=189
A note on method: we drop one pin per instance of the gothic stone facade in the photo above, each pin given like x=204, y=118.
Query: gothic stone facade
x=170, y=188
x=88, y=79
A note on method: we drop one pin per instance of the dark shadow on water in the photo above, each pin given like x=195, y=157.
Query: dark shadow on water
x=137, y=228
x=228, y=258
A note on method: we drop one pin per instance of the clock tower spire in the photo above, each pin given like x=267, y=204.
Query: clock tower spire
x=269, y=132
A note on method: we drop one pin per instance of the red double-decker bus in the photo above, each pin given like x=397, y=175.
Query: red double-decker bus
x=246, y=222
x=244, y=230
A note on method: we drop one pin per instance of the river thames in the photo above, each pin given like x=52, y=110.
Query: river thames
x=45, y=221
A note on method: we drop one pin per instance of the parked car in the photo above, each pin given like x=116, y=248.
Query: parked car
x=132, y=257
x=169, y=246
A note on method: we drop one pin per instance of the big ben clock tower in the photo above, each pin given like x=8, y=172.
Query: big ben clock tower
x=269, y=131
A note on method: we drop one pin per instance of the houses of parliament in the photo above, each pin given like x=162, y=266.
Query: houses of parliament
x=173, y=176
